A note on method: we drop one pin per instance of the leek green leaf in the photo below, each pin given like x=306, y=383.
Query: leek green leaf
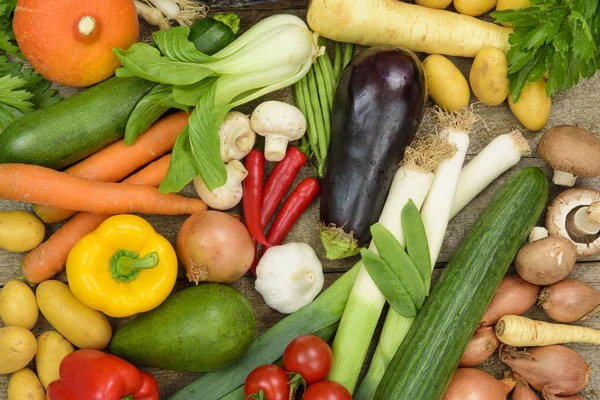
x=162, y=95
x=388, y=283
x=146, y=62
x=174, y=44
x=392, y=252
x=417, y=245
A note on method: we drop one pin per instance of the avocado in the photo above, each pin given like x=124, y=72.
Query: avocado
x=200, y=328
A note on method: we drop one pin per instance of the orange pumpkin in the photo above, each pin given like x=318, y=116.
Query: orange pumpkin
x=70, y=41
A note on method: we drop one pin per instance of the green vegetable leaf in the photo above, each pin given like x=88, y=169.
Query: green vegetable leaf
x=232, y=20
x=142, y=117
x=145, y=61
x=162, y=95
x=174, y=44
x=392, y=252
x=7, y=36
x=417, y=245
x=388, y=283
x=182, y=168
x=12, y=93
x=190, y=95
x=8, y=115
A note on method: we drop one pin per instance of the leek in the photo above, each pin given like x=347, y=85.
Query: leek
x=273, y=54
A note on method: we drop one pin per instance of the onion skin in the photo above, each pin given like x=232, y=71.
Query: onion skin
x=214, y=246
x=523, y=392
x=569, y=301
x=473, y=384
x=514, y=296
x=482, y=346
x=553, y=370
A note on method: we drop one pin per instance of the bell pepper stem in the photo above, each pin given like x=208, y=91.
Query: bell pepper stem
x=126, y=265
x=130, y=397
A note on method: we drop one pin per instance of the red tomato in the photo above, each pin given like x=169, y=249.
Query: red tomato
x=310, y=356
x=271, y=380
x=326, y=390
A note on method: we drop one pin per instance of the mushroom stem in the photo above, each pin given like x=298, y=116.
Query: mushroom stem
x=594, y=211
x=275, y=147
x=538, y=233
x=585, y=221
x=86, y=25
x=237, y=136
x=562, y=178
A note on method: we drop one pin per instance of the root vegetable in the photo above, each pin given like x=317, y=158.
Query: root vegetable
x=474, y=7
x=553, y=370
x=546, y=261
x=214, y=247
x=570, y=300
x=515, y=330
x=513, y=296
x=533, y=107
x=151, y=15
x=473, y=384
x=439, y=4
x=447, y=86
x=488, y=76
x=482, y=346
x=523, y=392
x=185, y=12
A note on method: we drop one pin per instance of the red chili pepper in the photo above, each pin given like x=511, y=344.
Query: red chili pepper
x=279, y=182
x=296, y=203
x=252, y=199
x=93, y=374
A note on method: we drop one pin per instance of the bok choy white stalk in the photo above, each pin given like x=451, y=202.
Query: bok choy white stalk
x=436, y=214
x=412, y=181
x=273, y=54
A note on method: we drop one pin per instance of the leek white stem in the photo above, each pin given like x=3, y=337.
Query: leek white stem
x=501, y=154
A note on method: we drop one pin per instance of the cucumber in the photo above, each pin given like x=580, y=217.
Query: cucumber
x=428, y=357
x=210, y=35
x=72, y=129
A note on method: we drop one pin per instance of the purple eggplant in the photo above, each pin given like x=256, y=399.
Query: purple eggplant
x=378, y=108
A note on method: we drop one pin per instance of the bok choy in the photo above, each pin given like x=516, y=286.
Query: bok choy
x=273, y=54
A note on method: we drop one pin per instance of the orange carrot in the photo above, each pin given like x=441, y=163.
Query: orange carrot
x=35, y=184
x=49, y=258
x=116, y=161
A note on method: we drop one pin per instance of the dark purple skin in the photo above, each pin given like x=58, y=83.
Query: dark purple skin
x=379, y=105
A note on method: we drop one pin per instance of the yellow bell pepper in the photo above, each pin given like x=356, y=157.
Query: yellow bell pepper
x=122, y=268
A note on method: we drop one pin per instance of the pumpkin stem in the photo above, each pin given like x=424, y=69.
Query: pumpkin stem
x=87, y=25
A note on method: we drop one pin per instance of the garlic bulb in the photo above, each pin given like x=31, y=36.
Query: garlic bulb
x=289, y=277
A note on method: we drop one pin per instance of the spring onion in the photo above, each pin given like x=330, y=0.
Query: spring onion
x=275, y=53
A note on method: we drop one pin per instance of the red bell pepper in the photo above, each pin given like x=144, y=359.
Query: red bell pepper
x=95, y=375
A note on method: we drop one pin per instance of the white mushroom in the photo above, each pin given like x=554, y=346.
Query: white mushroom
x=279, y=123
x=571, y=152
x=537, y=233
x=574, y=214
x=228, y=195
x=237, y=136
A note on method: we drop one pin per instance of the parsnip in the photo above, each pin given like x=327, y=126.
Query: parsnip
x=518, y=331
x=393, y=22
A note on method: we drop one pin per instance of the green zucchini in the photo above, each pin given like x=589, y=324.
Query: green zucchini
x=428, y=357
x=210, y=35
x=72, y=129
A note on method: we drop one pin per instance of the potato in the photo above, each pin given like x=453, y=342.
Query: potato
x=474, y=7
x=447, y=86
x=25, y=385
x=86, y=328
x=488, y=76
x=18, y=306
x=20, y=231
x=440, y=4
x=533, y=107
x=52, y=348
x=17, y=348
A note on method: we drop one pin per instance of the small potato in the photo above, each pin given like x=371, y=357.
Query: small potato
x=52, y=348
x=474, y=7
x=20, y=231
x=81, y=325
x=511, y=5
x=488, y=76
x=17, y=348
x=533, y=107
x=18, y=306
x=439, y=4
x=447, y=86
x=25, y=385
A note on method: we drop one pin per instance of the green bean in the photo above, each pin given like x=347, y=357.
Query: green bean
x=416, y=242
x=348, y=49
x=326, y=105
x=337, y=61
x=318, y=114
x=311, y=130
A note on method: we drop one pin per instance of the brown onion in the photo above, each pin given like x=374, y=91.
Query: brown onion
x=555, y=370
x=523, y=392
x=482, y=346
x=514, y=296
x=214, y=246
x=553, y=397
x=473, y=384
x=570, y=300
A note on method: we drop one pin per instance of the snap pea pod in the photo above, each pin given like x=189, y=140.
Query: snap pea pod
x=417, y=246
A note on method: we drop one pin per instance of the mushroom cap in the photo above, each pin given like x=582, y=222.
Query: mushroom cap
x=546, y=261
x=571, y=149
x=278, y=118
x=558, y=213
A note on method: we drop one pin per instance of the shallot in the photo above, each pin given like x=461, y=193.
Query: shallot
x=553, y=370
x=481, y=347
x=570, y=300
x=514, y=296
x=473, y=384
x=523, y=392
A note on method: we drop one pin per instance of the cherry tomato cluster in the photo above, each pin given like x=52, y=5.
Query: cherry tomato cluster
x=306, y=362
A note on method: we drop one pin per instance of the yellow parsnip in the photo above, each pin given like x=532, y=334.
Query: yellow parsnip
x=518, y=331
x=393, y=22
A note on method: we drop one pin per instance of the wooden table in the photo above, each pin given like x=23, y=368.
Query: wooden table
x=578, y=106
